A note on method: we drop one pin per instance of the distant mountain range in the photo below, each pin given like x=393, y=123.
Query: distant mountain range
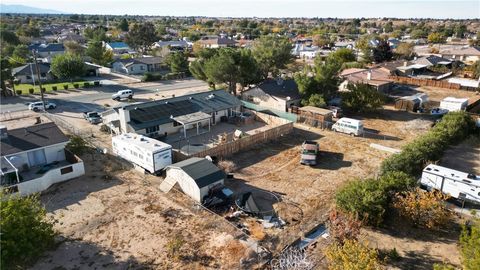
x=27, y=9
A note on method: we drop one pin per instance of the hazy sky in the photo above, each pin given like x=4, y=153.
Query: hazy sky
x=266, y=8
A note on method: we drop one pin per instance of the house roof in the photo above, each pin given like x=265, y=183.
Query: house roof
x=431, y=60
x=118, y=45
x=51, y=47
x=201, y=170
x=219, y=41
x=32, y=137
x=174, y=43
x=316, y=110
x=141, y=60
x=27, y=70
x=470, y=51
x=379, y=76
x=159, y=112
x=281, y=88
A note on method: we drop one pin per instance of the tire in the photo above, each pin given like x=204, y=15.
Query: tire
x=130, y=97
x=352, y=134
x=334, y=130
x=51, y=107
x=35, y=109
x=117, y=99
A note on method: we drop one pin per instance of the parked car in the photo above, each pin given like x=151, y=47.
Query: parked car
x=38, y=106
x=309, y=152
x=92, y=117
x=349, y=126
x=123, y=94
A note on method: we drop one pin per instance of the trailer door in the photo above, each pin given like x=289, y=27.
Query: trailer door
x=432, y=181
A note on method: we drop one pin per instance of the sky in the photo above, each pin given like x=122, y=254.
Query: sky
x=267, y=8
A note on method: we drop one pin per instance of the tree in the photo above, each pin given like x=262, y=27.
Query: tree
x=123, y=25
x=405, y=50
x=74, y=48
x=272, y=53
x=343, y=55
x=68, y=66
x=6, y=73
x=424, y=209
x=99, y=54
x=342, y=226
x=470, y=246
x=322, y=41
x=178, y=62
x=223, y=68
x=352, y=255
x=436, y=38
x=141, y=36
x=326, y=77
x=382, y=52
x=19, y=56
x=95, y=34
x=363, y=98
x=8, y=37
x=26, y=231
x=315, y=100
x=476, y=69
x=418, y=33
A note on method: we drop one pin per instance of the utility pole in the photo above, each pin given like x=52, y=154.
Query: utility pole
x=39, y=80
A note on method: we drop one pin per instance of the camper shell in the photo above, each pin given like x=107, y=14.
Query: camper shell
x=148, y=153
x=349, y=126
x=459, y=185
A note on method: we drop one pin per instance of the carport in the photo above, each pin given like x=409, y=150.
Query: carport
x=192, y=119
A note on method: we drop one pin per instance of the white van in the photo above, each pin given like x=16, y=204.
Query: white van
x=122, y=94
x=349, y=126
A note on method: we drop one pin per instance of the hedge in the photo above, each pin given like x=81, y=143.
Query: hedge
x=96, y=83
x=454, y=127
x=19, y=92
x=158, y=77
x=31, y=91
x=76, y=85
x=54, y=88
x=86, y=84
x=65, y=86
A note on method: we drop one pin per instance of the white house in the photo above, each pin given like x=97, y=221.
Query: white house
x=138, y=66
x=276, y=94
x=34, y=158
x=197, y=177
x=217, y=42
x=118, y=48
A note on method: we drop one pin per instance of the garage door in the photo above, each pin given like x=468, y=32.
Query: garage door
x=37, y=157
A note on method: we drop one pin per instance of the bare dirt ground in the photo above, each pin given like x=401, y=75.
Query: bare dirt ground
x=464, y=157
x=114, y=218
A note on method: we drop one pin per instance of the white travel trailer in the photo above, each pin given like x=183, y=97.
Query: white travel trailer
x=460, y=185
x=454, y=104
x=348, y=125
x=148, y=153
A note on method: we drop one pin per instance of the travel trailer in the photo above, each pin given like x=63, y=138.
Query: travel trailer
x=145, y=152
x=460, y=185
x=349, y=126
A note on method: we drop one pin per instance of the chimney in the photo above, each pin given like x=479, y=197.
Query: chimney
x=369, y=75
x=3, y=132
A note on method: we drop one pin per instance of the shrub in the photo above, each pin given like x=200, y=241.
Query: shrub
x=96, y=83
x=19, y=92
x=470, y=246
x=77, y=145
x=393, y=182
x=174, y=246
x=147, y=77
x=86, y=84
x=76, y=85
x=43, y=89
x=352, y=255
x=31, y=91
x=342, y=226
x=25, y=230
x=65, y=86
x=423, y=209
x=443, y=266
x=364, y=199
x=104, y=128
x=16, y=82
x=227, y=166
x=54, y=88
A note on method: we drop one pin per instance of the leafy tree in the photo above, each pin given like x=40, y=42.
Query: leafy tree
x=68, y=66
x=141, y=36
x=382, y=52
x=352, y=255
x=74, y=48
x=470, y=246
x=123, y=25
x=272, y=53
x=405, y=50
x=424, y=209
x=363, y=98
x=343, y=55
x=177, y=61
x=418, y=33
x=322, y=41
x=26, y=232
x=95, y=34
x=8, y=37
x=6, y=73
x=436, y=38
x=476, y=69
x=77, y=145
x=314, y=100
x=326, y=77
x=249, y=69
x=343, y=226
x=29, y=31
x=99, y=54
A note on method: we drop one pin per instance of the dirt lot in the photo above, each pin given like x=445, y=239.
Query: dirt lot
x=464, y=157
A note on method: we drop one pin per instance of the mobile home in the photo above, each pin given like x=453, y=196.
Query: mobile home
x=349, y=126
x=460, y=185
x=148, y=153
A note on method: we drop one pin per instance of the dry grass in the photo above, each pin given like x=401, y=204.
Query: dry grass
x=227, y=166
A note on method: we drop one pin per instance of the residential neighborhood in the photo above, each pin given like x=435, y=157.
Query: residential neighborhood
x=240, y=135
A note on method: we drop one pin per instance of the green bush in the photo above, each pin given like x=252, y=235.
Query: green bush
x=77, y=145
x=454, y=127
x=470, y=246
x=16, y=82
x=65, y=86
x=43, y=89
x=86, y=84
x=54, y=88
x=96, y=83
x=26, y=232
x=148, y=77
x=393, y=182
x=31, y=91
x=76, y=85
x=19, y=92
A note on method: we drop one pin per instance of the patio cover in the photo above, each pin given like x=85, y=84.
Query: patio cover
x=191, y=118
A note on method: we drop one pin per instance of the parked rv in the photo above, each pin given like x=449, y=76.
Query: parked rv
x=459, y=185
x=145, y=152
x=309, y=153
x=349, y=126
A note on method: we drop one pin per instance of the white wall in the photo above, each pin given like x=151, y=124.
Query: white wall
x=187, y=184
x=265, y=100
x=55, y=152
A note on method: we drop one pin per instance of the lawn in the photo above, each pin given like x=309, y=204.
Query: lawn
x=48, y=86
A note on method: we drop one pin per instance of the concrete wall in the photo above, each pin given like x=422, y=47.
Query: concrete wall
x=52, y=153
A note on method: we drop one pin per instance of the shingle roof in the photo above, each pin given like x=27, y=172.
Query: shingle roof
x=26, y=70
x=219, y=41
x=141, y=60
x=281, y=89
x=176, y=43
x=201, y=170
x=430, y=60
x=32, y=137
x=51, y=47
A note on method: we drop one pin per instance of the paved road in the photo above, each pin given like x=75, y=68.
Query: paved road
x=85, y=99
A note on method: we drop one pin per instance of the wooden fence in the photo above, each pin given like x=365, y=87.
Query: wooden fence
x=425, y=82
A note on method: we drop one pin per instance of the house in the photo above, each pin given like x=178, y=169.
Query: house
x=173, y=45
x=305, y=52
x=197, y=177
x=393, y=42
x=28, y=73
x=377, y=77
x=273, y=94
x=217, y=42
x=33, y=158
x=47, y=50
x=71, y=37
x=464, y=54
x=118, y=48
x=139, y=65
x=433, y=60
x=344, y=45
x=173, y=115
